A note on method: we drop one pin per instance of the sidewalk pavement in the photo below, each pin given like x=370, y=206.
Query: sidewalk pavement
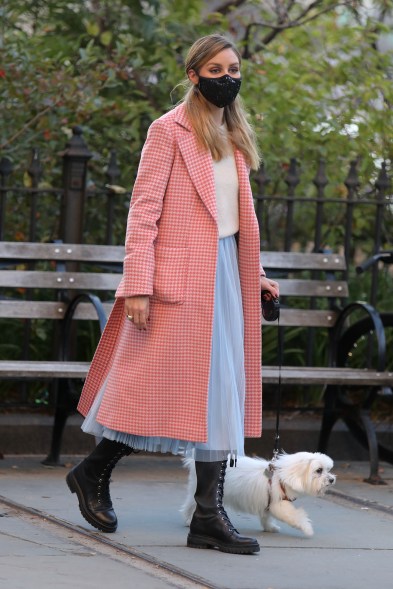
x=351, y=548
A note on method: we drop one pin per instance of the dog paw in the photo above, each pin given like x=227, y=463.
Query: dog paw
x=186, y=516
x=268, y=524
x=307, y=529
x=186, y=519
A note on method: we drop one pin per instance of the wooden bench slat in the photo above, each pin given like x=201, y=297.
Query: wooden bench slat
x=321, y=376
x=289, y=374
x=59, y=280
x=56, y=310
x=114, y=253
x=109, y=281
x=305, y=318
x=294, y=261
x=31, y=310
x=32, y=369
x=53, y=251
x=47, y=310
x=313, y=288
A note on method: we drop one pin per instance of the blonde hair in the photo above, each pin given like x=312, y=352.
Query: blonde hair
x=209, y=136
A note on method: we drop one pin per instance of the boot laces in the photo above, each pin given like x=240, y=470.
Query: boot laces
x=220, y=497
x=103, y=493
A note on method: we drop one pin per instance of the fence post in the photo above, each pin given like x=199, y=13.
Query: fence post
x=292, y=180
x=112, y=174
x=352, y=183
x=5, y=170
x=382, y=185
x=320, y=182
x=35, y=172
x=261, y=180
x=75, y=159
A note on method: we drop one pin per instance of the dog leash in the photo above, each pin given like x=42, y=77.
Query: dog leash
x=280, y=341
x=277, y=447
x=271, y=312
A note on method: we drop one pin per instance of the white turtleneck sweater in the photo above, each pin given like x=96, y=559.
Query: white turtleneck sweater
x=227, y=195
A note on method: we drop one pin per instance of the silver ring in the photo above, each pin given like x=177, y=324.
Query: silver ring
x=130, y=317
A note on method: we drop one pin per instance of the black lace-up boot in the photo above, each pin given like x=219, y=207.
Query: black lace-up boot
x=210, y=526
x=90, y=481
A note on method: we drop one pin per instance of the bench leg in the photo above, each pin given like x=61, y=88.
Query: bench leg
x=328, y=421
x=329, y=418
x=360, y=424
x=53, y=458
x=66, y=403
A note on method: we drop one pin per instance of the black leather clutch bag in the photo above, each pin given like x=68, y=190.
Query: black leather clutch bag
x=270, y=306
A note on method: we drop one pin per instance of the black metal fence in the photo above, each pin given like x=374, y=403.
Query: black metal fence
x=291, y=214
x=294, y=213
x=320, y=222
x=34, y=212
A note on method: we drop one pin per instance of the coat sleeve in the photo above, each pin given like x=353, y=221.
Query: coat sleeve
x=145, y=209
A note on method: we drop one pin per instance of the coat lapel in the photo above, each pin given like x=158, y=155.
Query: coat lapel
x=200, y=167
x=198, y=163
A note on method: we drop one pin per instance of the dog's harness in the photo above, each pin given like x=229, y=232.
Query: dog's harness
x=269, y=474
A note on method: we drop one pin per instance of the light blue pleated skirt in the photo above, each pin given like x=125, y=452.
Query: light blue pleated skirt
x=226, y=382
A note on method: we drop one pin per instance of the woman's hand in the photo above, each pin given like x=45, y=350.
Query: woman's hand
x=137, y=310
x=271, y=285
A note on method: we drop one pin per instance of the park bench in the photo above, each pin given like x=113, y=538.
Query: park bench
x=313, y=290
x=319, y=280
x=56, y=283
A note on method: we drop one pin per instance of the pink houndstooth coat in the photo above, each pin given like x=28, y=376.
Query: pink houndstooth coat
x=157, y=380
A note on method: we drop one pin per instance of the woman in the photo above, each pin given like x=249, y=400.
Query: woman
x=178, y=366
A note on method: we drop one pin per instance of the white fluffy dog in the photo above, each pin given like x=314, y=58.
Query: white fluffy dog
x=268, y=489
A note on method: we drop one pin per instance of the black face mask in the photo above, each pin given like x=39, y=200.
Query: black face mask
x=219, y=91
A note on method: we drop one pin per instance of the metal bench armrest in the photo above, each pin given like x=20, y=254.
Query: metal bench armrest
x=379, y=330
x=67, y=321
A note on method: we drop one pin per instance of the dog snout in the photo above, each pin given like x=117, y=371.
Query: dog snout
x=332, y=479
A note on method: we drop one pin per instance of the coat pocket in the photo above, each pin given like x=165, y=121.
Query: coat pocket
x=170, y=274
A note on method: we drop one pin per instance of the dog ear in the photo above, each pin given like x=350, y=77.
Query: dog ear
x=325, y=460
x=305, y=474
x=294, y=470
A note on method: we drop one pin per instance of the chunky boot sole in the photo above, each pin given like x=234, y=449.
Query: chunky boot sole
x=74, y=487
x=194, y=541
